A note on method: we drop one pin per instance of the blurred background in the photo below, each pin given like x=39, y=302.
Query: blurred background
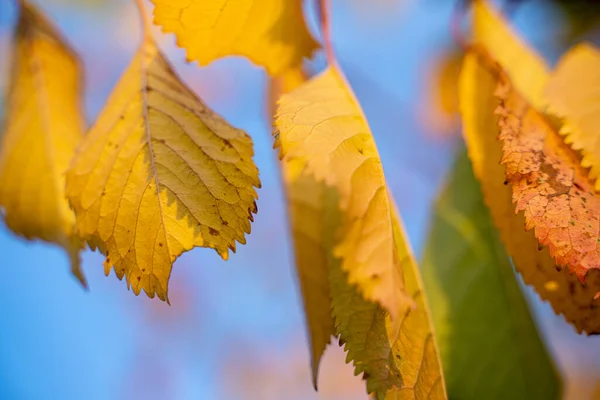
x=235, y=329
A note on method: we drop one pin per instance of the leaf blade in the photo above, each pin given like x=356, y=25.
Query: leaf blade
x=480, y=128
x=527, y=69
x=471, y=284
x=271, y=33
x=549, y=185
x=571, y=95
x=397, y=356
x=322, y=129
x=159, y=174
x=44, y=123
x=324, y=137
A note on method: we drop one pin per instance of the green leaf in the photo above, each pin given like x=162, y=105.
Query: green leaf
x=488, y=340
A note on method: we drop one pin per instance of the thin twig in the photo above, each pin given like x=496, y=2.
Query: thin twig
x=324, y=14
x=146, y=24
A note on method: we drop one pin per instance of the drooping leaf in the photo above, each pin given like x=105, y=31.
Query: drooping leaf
x=488, y=340
x=158, y=174
x=341, y=202
x=320, y=126
x=525, y=67
x=310, y=228
x=398, y=357
x=271, y=33
x=572, y=94
x=43, y=124
x=480, y=128
x=549, y=185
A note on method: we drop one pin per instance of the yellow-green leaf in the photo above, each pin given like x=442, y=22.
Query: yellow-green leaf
x=572, y=94
x=158, y=174
x=398, y=357
x=43, y=125
x=310, y=227
x=340, y=201
x=480, y=129
x=321, y=128
x=271, y=33
x=488, y=340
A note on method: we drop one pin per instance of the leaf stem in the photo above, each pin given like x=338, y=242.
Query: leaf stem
x=324, y=14
x=146, y=24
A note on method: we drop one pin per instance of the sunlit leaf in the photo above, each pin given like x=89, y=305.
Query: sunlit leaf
x=43, y=125
x=480, y=128
x=342, y=203
x=488, y=340
x=158, y=174
x=549, y=185
x=271, y=33
x=477, y=103
x=321, y=128
x=525, y=67
x=397, y=357
x=573, y=95
x=312, y=230
x=310, y=227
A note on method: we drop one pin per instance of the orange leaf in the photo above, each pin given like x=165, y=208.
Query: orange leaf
x=549, y=184
x=480, y=127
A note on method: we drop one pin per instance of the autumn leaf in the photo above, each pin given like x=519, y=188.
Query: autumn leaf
x=43, y=124
x=572, y=94
x=158, y=174
x=345, y=224
x=525, y=67
x=488, y=340
x=477, y=103
x=480, y=129
x=271, y=33
x=321, y=128
x=311, y=229
x=548, y=184
x=397, y=356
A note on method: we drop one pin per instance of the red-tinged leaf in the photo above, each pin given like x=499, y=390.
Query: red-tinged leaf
x=548, y=184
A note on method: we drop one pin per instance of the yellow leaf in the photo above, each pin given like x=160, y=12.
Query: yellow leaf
x=44, y=123
x=398, y=357
x=345, y=227
x=572, y=94
x=286, y=82
x=320, y=127
x=523, y=65
x=310, y=228
x=480, y=128
x=271, y=33
x=158, y=174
